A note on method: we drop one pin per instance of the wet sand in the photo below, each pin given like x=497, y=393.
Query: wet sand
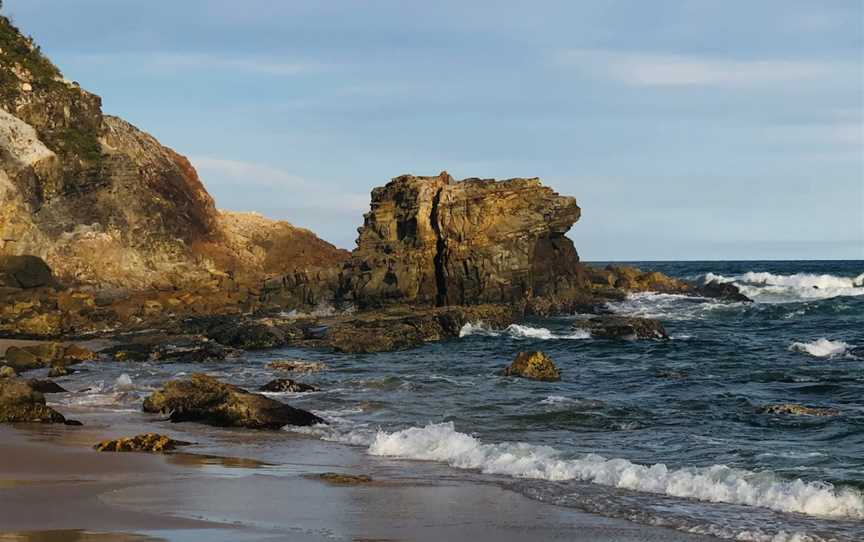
x=53, y=487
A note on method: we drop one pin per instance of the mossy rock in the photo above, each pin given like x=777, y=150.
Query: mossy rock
x=534, y=366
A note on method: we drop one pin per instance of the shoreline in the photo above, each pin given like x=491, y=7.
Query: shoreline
x=55, y=487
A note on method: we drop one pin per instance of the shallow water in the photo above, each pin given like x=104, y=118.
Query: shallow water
x=660, y=432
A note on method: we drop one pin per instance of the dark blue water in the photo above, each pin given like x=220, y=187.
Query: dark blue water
x=662, y=432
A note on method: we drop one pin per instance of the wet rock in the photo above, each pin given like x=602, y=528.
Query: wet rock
x=286, y=385
x=722, y=290
x=20, y=403
x=57, y=371
x=400, y=328
x=206, y=400
x=247, y=335
x=792, y=409
x=24, y=272
x=632, y=279
x=297, y=366
x=184, y=349
x=46, y=386
x=533, y=365
x=7, y=372
x=857, y=352
x=341, y=479
x=622, y=327
x=26, y=358
x=148, y=442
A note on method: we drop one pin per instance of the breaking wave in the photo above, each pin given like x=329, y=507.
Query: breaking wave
x=718, y=483
x=518, y=331
x=821, y=348
x=770, y=288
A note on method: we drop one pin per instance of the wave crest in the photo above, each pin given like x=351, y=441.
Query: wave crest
x=518, y=331
x=718, y=483
x=768, y=287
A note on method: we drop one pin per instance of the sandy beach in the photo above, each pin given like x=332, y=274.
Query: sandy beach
x=55, y=488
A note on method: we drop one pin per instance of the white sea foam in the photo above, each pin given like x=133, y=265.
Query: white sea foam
x=123, y=382
x=666, y=306
x=770, y=288
x=719, y=483
x=821, y=348
x=518, y=331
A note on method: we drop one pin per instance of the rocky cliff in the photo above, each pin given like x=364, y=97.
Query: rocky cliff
x=435, y=241
x=106, y=204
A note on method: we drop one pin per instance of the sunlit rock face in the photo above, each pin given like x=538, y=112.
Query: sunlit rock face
x=435, y=241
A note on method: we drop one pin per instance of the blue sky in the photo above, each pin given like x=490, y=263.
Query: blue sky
x=685, y=129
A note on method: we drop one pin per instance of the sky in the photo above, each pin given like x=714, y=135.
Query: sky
x=685, y=129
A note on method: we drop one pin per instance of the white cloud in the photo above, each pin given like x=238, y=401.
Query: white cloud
x=263, y=183
x=649, y=69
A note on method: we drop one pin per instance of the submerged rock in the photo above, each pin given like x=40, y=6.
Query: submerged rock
x=206, y=400
x=722, y=290
x=46, y=386
x=341, y=479
x=622, y=327
x=286, y=385
x=20, y=403
x=533, y=365
x=799, y=410
x=148, y=442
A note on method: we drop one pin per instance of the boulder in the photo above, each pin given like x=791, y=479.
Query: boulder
x=206, y=400
x=247, y=335
x=792, y=409
x=286, y=385
x=535, y=366
x=20, y=403
x=26, y=358
x=24, y=272
x=632, y=279
x=622, y=327
x=148, y=442
x=46, y=386
x=722, y=290
x=7, y=372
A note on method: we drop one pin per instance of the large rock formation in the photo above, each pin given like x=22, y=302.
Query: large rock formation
x=105, y=204
x=434, y=241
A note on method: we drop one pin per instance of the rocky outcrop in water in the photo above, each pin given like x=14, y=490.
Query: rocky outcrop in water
x=435, y=241
x=622, y=327
x=534, y=366
x=791, y=409
x=206, y=400
x=286, y=385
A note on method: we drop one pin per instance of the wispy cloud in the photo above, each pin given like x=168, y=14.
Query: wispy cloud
x=168, y=63
x=267, y=182
x=650, y=69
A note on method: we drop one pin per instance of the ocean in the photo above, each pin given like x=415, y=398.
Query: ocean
x=667, y=433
